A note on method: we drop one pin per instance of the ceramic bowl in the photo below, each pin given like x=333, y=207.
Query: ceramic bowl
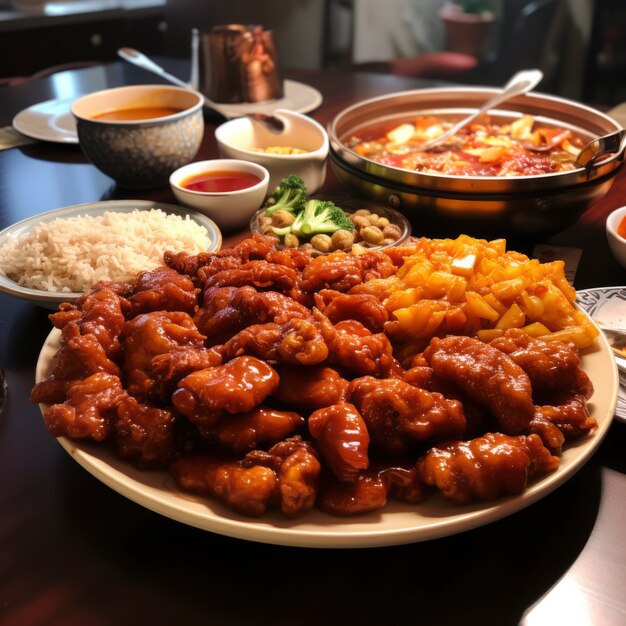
x=259, y=224
x=140, y=153
x=230, y=210
x=617, y=243
x=242, y=138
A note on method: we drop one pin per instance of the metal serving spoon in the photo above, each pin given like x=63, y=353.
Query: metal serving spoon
x=141, y=60
x=520, y=83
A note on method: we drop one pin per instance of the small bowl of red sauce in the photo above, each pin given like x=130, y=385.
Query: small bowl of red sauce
x=228, y=191
x=616, y=234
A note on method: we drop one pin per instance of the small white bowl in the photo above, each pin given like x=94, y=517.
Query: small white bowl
x=238, y=138
x=617, y=244
x=230, y=210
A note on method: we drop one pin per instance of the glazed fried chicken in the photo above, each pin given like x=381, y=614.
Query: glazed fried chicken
x=367, y=493
x=245, y=489
x=488, y=376
x=550, y=365
x=352, y=347
x=342, y=439
x=144, y=434
x=486, y=467
x=90, y=408
x=243, y=432
x=297, y=466
x=364, y=308
x=162, y=289
x=238, y=386
x=399, y=415
x=149, y=335
x=341, y=271
x=309, y=388
x=297, y=342
x=261, y=274
x=228, y=310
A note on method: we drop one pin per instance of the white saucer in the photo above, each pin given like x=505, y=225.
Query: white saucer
x=297, y=97
x=49, y=121
x=607, y=307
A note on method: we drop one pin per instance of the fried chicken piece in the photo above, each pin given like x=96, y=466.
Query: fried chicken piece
x=169, y=368
x=353, y=348
x=364, y=308
x=246, y=431
x=405, y=484
x=488, y=376
x=99, y=312
x=75, y=360
x=486, y=467
x=341, y=271
x=149, y=335
x=298, y=468
x=234, y=387
x=144, y=434
x=247, y=490
x=569, y=413
x=297, y=342
x=550, y=365
x=259, y=274
x=365, y=494
x=228, y=310
x=309, y=388
x=399, y=415
x=162, y=289
x=90, y=408
x=342, y=439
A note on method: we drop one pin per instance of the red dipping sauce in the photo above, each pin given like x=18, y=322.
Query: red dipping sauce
x=220, y=181
x=621, y=228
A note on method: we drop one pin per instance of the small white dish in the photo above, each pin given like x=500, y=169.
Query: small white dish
x=52, y=299
x=51, y=120
x=296, y=97
x=230, y=210
x=617, y=243
x=242, y=138
x=607, y=307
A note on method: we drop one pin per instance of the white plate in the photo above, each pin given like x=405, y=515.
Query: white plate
x=52, y=299
x=296, y=97
x=396, y=524
x=48, y=121
x=607, y=307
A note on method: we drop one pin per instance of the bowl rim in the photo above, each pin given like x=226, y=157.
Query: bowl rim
x=286, y=113
x=613, y=220
x=198, y=105
x=259, y=169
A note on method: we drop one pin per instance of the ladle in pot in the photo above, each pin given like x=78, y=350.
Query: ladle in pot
x=139, y=59
x=520, y=83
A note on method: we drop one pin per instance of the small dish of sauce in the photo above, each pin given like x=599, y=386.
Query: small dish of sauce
x=135, y=113
x=220, y=181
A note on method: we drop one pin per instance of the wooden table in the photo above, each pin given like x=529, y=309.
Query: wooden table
x=73, y=551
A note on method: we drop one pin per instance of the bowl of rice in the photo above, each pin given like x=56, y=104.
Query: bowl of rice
x=56, y=256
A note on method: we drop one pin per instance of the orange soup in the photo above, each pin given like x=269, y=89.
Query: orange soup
x=220, y=181
x=136, y=113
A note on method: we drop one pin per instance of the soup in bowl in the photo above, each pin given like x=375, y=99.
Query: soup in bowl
x=138, y=135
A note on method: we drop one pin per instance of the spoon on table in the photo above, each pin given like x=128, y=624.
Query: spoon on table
x=520, y=83
x=139, y=59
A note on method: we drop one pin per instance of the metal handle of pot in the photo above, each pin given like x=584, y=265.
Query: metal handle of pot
x=590, y=157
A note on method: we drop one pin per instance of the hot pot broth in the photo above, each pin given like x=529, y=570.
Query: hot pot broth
x=494, y=145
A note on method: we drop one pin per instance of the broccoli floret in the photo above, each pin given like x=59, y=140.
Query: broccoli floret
x=290, y=194
x=322, y=216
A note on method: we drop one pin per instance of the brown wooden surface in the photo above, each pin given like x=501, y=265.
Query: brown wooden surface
x=72, y=551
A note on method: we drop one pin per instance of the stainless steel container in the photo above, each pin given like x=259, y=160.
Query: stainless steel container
x=482, y=206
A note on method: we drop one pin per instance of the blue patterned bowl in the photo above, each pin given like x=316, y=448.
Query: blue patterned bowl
x=140, y=153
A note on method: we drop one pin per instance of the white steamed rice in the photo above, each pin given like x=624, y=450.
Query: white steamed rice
x=73, y=254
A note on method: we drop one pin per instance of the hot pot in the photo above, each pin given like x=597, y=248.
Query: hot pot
x=480, y=206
